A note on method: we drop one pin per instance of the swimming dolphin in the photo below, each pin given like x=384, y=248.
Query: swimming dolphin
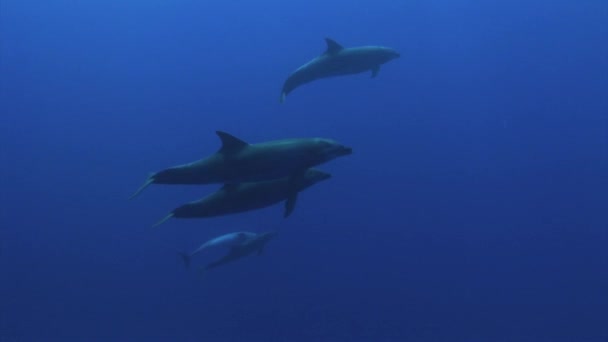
x=337, y=61
x=238, y=198
x=226, y=240
x=237, y=161
x=252, y=245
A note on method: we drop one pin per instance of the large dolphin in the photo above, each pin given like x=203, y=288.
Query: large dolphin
x=250, y=246
x=238, y=198
x=237, y=161
x=226, y=240
x=337, y=61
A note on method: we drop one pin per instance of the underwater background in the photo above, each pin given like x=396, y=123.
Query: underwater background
x=474, y=206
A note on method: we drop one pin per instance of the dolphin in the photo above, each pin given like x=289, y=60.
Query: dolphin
x=238, y=198
x=252, y=245
x=237, y=161
x=226, y=240
x=338, y=61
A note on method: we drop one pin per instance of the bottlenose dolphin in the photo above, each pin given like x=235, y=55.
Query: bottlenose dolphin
x=238, y=198
x=255, y=244
x=226, y=240
x=337, y=61
x=237, y=161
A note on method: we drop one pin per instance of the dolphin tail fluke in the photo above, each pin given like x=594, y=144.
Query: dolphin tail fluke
x=164, y=219
x=149, y=181
x=186, y=257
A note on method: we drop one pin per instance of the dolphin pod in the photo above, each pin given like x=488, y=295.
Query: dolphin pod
x=338, y=61
x=259, y=175
x=237, y=161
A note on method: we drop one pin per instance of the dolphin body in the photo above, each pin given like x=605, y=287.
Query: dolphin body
x=237, y=161
x=338, y=61
x=238, y=198
x=250, y=246
x=226, y=240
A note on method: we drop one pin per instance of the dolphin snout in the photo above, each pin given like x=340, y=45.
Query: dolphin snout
x=339, y=151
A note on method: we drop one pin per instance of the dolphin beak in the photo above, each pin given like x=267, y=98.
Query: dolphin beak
x=347, y=151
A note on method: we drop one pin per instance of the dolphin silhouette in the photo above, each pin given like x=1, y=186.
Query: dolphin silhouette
x=337, y=61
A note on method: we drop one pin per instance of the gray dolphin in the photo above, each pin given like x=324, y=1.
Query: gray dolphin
x=337, y=61
x=226, y=240
x=237, y=161
x=238, y=198
x=250, y=246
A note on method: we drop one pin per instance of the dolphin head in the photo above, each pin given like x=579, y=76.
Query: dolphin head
x=260, y=240
x=267, y=236
x=327, y=149
x=388, y=54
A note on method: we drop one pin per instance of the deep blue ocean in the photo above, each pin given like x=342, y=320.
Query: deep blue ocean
x=474, y=206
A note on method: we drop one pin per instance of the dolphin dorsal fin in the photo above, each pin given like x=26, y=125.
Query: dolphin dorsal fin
x=332, y=46
x=230, y=143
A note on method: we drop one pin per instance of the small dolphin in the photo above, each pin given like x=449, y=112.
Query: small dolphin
x=237, y=161
x=226, y=240
x=238, y=198
x=337, y=61
x=252, y=245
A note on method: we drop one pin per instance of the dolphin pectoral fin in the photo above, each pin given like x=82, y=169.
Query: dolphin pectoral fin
x=290, y=204
x=163, y=220
x=332, y=46
x=375, y=71
x=149, y=181
x=283, y=96
x=261, y=251
x=292, y=192
x=230, y=143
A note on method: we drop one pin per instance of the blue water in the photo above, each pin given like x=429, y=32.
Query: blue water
x=473, y=208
